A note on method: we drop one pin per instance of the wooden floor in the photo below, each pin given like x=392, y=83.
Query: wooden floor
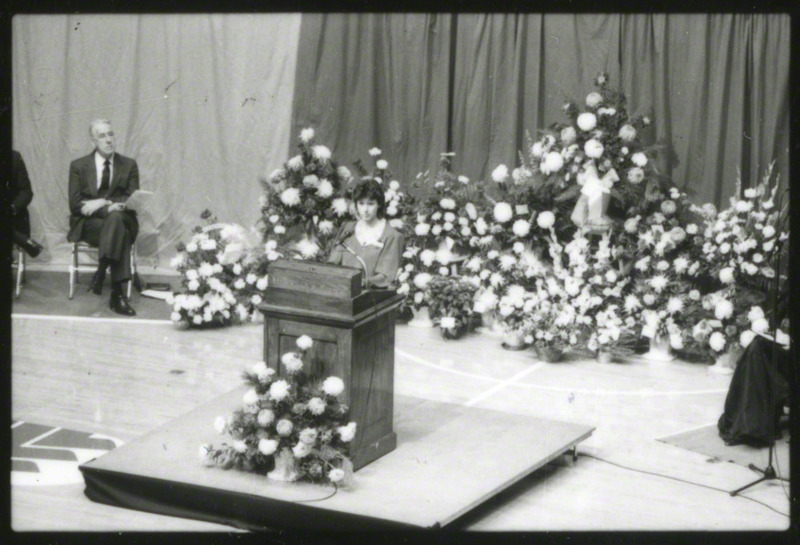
x=122, y=378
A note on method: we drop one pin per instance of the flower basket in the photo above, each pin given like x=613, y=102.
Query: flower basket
x=514, y=340
x=660, y=351
x=285, y=467
x=549, y=354
x=421, y=317
x=454, y=332
x=604, y=356
x=725, y=363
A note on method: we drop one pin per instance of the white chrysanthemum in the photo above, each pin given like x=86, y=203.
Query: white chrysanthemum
x=306, y=135
x=627, y=132
x=307, y=247
x=746, y=338
x=668, y=207
x=635, y=175
x=631, y=303
x=325, y=189
x=726, y=275
x=321, y=152
x=503, y=212
x=760, y=325
x=723, y=309
x=382, y=164
x=290, y=196
x=311, y=180
x=507, y=261
x=447, y=204
x=639, y=159
x=546, y=219
x=427, y=257
x=587, y=121
x=175, y=317
x=374, y=152
x=537, y=149
x=325, y=227
x=659, y=282
x=335, y=475
x=422, y=279
x=265, y=417
x=755, y=313
x=768, y=231
x=500, y=174
x=593, y=148
x=220, y=424
x=348, y=432
x=304, y=342
x=333, y=386
x=267, y=447
x=250, y=397
x=295, y=163
x=552, y=162
x=278, y=390
x=568, y=135
x=521, y=228
x=717, y=341
x=340, y=206
x=674, y=305
x=316, y=406
x=292, y=362
x=594, y=99
x=284, y=427
x=240, y=446
x=422, y=229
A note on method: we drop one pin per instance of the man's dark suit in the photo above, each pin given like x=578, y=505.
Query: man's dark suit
x=21, y=194
x=113, y=233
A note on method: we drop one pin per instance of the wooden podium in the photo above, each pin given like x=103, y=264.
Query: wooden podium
x=353, y=333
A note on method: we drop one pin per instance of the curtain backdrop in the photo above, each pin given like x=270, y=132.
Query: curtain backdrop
x=375, y=80
x=716, y=86
x=202, y=102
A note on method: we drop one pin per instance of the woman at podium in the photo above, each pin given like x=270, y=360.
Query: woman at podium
x=370, y=243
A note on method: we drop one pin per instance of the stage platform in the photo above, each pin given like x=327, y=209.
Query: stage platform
x=449, y=459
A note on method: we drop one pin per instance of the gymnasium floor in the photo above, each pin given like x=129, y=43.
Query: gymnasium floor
x=119, y=378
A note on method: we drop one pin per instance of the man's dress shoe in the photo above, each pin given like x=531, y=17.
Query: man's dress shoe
x=31, y=247
x=119, y=304
x=96, y=285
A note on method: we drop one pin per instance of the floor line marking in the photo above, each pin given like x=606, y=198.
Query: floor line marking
x=560, y=388
x=56, y=317
x=687, y=430
x=501, y=385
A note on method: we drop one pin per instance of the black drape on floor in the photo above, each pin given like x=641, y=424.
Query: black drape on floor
x=759, y=389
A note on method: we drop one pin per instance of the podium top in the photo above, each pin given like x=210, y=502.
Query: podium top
x=315, y=278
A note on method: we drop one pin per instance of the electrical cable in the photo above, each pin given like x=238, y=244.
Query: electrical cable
x=680, y=480
x=332, y=494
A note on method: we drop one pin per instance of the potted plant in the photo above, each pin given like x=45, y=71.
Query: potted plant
x=450, y=301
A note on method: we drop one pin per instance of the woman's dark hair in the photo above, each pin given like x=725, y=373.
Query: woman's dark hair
x=370, y=189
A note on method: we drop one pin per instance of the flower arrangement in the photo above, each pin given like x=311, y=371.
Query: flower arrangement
x=222, y=276
x=303, y=207
x=291, y=428
x=596, y=157
x=451, y=304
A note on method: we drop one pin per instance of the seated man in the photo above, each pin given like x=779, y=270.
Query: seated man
x=21, y=197
x=99, y=185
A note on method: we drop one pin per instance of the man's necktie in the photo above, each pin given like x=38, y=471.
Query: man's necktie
x=106, y=175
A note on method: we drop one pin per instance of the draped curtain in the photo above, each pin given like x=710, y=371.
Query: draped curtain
x=202, y=102
x=715, y=85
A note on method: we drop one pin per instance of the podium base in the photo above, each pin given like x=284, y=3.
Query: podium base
x=370, y=453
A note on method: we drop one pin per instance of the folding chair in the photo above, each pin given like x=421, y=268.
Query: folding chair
x=76, y=267
x=19, y=263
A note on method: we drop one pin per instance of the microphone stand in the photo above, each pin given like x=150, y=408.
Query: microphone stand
x=769, y=473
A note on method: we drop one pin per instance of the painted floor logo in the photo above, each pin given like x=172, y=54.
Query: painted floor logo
x=47, y=456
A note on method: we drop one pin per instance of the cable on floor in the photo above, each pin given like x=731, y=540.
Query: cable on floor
x=680, y=480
